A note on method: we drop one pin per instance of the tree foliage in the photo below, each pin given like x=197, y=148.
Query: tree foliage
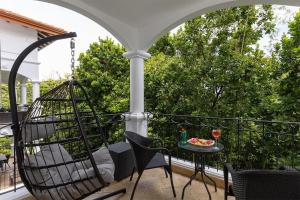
x=219, y=69
x=212, y=66
x=288, y=72
x=105, y=73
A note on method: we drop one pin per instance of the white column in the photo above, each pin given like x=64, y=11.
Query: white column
x=35, y=90
x=23, y=93
x=23, y=96
x=17, y=96
x=136, y=120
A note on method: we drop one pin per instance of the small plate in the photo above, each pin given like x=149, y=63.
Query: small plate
x=201, y=142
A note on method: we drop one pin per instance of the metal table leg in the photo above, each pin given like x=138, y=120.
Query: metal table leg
x=211, y=180
x=191, y=178
x=200, y=161
x=203, y=172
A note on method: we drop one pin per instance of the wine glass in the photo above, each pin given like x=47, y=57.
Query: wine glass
x=216, y=133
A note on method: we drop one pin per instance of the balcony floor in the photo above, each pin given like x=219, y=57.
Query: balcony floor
x=154, y=185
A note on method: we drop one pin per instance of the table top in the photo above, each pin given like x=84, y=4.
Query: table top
x=201, y=149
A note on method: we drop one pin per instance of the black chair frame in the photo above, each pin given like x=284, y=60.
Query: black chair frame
x=143, y=154
x=69, y=124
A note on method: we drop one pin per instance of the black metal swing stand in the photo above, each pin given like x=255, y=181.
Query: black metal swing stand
x=57, y=143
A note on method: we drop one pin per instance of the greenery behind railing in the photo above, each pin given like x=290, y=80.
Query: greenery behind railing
x=248, y=143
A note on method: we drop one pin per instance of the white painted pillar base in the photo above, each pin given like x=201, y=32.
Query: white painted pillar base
x=136, y=119
x=137, y=122
x=35, y=90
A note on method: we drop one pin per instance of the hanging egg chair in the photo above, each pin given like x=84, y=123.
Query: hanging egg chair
x=60, y=147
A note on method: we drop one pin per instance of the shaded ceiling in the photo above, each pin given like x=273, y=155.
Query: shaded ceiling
x=138, y=23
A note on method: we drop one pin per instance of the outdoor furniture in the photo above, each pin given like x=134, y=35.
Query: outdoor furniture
x=146, y=157
x=263, y=184
x=200, y=154
x=123, y=159
x=2, y=160
x=6, y=161
x=60, y=146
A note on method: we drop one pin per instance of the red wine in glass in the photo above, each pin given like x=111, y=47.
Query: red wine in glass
x=216, y=133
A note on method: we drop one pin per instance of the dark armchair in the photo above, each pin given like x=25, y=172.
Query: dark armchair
x=146, y=157
x=281, y=184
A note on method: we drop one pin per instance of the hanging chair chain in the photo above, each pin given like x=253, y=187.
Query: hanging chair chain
x=72, y=46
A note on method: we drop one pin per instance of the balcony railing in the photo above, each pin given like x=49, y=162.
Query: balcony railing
x=248, y=143
x=9, y=176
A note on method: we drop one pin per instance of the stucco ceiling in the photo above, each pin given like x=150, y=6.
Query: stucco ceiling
x=138, y=23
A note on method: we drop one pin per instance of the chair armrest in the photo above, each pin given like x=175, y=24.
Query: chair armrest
x=163, y=151
x=160, y=149
x=156, y=149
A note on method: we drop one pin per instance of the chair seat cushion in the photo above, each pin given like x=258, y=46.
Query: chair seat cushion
x=54, y=154
x=79, y=176
x=104, y=164
x=157, y=161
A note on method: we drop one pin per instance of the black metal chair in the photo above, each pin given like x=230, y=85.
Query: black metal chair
x=257, y=184
x=146, y=157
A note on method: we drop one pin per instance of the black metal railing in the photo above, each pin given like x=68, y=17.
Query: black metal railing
x=9, y=175
x=8, y=181
x=113, y=125
x=248, y=143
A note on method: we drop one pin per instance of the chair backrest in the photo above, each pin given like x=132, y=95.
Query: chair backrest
x=266, y=185
x=142, y=156
x=39, y=129
x=58, y=134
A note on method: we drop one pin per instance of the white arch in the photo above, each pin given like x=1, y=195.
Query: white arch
x=216, y=7
x=138, y=23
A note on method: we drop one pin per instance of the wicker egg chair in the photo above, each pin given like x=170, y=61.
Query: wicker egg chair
x=60, y=147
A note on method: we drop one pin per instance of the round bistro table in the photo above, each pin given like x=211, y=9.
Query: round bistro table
x=199, y=153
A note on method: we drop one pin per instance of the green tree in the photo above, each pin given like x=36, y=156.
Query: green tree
x=219, y=69
x=5, y=147
x=164, y=45
x=288, y=72
x=49, y=84
x=105, y=73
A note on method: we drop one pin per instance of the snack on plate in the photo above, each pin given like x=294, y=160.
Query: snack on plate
x=201, y=142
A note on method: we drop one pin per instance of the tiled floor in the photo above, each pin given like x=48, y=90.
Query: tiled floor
x=155, y=186
x=6, y=175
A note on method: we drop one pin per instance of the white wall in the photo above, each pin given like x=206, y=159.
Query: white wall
x=14, y=39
